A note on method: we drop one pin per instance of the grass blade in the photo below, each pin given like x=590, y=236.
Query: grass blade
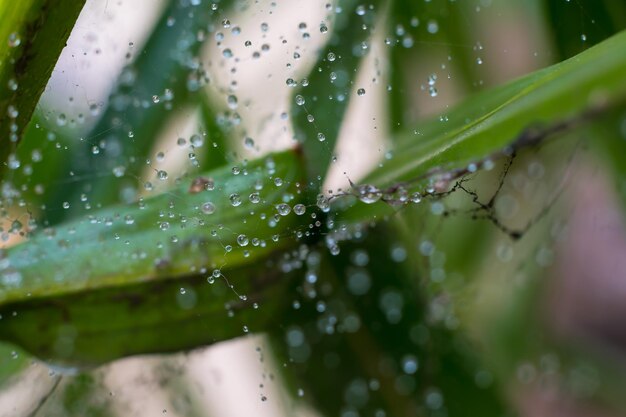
x=116, y=282
x=492, y=120
x=331, y=84
x=32, y=35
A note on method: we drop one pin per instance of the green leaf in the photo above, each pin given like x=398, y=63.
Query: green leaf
x=120, y=281
x=330, y=85
x=219, y=137
x=32, y=35
x=488, y=122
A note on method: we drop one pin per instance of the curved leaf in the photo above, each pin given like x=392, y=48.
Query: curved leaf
x=117, y=282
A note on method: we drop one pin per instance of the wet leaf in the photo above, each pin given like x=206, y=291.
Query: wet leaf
x=319, y=105
x=32, y=35
x=488, y=122
x=118, y=281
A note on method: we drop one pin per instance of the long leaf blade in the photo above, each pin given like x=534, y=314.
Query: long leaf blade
x=32, y=35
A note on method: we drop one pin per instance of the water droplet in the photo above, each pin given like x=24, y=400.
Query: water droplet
x=283, y=209
x=323, y=28
x=164, y=225
x=255, y=198
x=321, y=137
x=208, y=208
x=368, y=193
x=14, y=40
x=248, y=143
x=155, y=99
x=162, y=175
x=196, y=140
x=242, y=240
x=409, y=364
x=432, y=27
x=360, y=91
x=300, y=100
x=416, y=197
x=119, y=171
x=12, y=112
x=235, y=200
x=299, y=209
x=61, y=119
x=232, y=102
x=323, y=203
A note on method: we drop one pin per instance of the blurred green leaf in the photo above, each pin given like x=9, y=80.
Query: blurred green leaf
x=219, y=136
x=413, y=42
x=32, y=35
x=369, y=326
x=163, y=77
x=319, y=105
x=577, y=25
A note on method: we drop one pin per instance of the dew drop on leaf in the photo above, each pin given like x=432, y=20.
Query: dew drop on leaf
x=208, y=208
x=254, y=198
x=299, y=209
x=14, y=40
x=242, y=240
x=235, y=200
x=283, y=209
